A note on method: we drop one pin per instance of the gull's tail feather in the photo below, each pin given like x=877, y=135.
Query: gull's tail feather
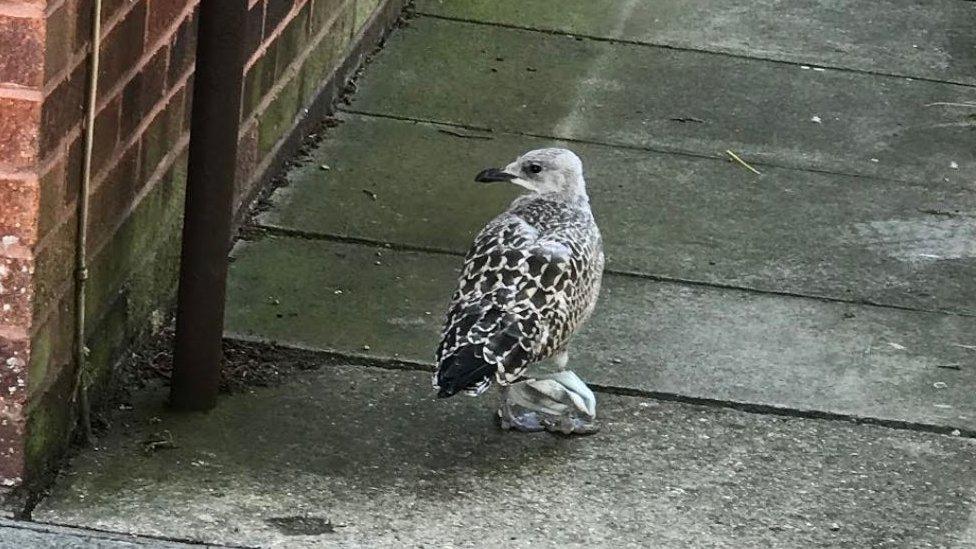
x=464, y=370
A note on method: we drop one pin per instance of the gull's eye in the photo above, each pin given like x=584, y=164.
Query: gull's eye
x=533, y=168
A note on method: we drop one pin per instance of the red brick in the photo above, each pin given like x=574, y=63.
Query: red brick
x=72, y=180
x=18, y=216
x=16, y=294
x=111, y=8
x=291, y=40
x=142, y=93
x=59, y=41
x=188, y=104
x=106, y=135
x=113, y=196
x=19, y=132
x=55, y=336
x=63, y=109
x=12, y=428
x=161, y=135
x=275, y=13
x=22, y=47
x=122, y=48
x=83, y=19
x=59, y=189
x=162, y=15
x=54, y=262
x=182, y=50
x=254, y=32
x=14, y=356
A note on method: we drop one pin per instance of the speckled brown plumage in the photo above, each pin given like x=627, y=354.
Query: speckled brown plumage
x=531, y=278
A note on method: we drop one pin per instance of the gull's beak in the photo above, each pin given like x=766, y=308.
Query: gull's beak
x=494, y=174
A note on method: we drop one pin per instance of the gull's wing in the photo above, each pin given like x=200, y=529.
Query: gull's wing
x=509, y=302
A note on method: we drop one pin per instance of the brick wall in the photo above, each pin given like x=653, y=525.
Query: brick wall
x=141, y=135
x=293, y=47
x=298, y=53
x=21, y=93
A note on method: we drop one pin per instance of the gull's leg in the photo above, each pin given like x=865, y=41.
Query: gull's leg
x=561, y=401
x=514, y=416
x=561, y=359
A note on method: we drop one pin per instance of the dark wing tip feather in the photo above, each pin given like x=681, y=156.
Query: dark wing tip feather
x=462, y=371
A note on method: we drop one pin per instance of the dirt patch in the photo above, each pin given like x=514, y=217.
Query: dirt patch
x=246, y=365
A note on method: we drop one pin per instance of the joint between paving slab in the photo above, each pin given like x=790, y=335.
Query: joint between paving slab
x=674, y=151
x=257, y=230
x=672, y=47
x=333, y=356
x=106, y=535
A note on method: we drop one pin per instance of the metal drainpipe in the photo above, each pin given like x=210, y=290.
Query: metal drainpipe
x=80, y=393
x=214, y=128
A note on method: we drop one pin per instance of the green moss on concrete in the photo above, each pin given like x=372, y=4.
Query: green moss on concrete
x=653, y=336
x=661, y=214
x=629, y=94
x=389, y=466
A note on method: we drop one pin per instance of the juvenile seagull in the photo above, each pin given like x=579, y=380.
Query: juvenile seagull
x=530, y=280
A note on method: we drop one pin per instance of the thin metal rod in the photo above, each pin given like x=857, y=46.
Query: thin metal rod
x=208, y=214
x=80, y=392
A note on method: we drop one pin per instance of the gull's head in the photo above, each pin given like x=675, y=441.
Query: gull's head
x=542, y=171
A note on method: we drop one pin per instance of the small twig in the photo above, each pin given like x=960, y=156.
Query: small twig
x=970, y=347
x=736, y=158
x=464, y=135
x=954, y=366
x=933, y=211
x=159, y=441
x=950, y=104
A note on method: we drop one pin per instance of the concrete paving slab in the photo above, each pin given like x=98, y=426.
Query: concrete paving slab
x=931, y=39
x=698, y=342
x=706, y=220
x=553, y=85
x=355, y=457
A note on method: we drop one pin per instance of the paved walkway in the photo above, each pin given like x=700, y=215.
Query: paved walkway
x=745, y=316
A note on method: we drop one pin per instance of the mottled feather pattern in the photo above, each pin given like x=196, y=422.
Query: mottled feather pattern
x=529, y=281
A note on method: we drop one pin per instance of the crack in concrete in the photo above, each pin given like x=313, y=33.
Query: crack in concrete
x=333, y=356
x=673, y=47
x=258, y=230
x=93, y=533
x=659, y=149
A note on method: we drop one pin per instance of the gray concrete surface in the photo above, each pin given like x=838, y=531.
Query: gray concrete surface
x=695, y=341
x=929, y=39
x=627, y=94
x=706, y=220
x=872, y=200
x=359, y=457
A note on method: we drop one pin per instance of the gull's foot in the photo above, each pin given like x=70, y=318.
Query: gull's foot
x=558, y=403
x=516, y=418
x=570, y=425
